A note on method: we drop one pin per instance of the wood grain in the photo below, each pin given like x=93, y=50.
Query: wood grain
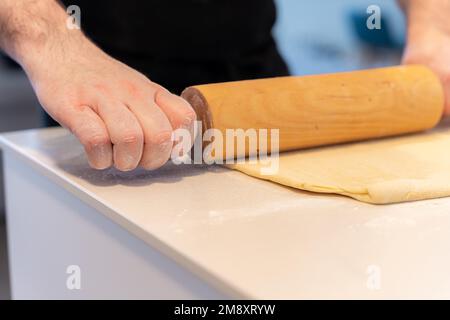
x=325, y=109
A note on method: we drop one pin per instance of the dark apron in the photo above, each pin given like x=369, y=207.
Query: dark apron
x=178, y=43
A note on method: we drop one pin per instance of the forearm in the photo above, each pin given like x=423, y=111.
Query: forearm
x=426, y=16
x=30, y=29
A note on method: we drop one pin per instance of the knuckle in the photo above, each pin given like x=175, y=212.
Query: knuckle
x=133, y=90
x=161, y=139
x=96, y=140
x=130, y=138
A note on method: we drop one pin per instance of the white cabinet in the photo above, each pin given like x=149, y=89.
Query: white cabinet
x=205, y=232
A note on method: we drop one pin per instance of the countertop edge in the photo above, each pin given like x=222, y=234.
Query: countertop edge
x=114, y=215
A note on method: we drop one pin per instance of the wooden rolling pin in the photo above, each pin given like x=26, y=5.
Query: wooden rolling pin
x=324, y=109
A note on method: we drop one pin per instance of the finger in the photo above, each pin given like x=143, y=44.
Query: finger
x=157, y=133
x=90, y=130
x=124, y=131
x=180, y=114
x=178, y=111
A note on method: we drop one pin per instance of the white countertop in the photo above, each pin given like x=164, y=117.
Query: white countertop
x=255, y=239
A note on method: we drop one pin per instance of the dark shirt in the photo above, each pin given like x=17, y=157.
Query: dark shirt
x=178, y=43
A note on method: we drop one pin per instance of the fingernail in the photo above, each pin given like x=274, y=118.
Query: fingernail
x=128, y=162
x=102, y=157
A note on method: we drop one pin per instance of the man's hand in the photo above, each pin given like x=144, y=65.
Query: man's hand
x=429, y=38
x=120, y=116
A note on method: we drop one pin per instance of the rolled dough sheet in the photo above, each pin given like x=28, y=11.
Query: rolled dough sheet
x=408, y=168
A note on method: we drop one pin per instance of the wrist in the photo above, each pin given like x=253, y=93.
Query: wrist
x=41, y=59
x=35, y=32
